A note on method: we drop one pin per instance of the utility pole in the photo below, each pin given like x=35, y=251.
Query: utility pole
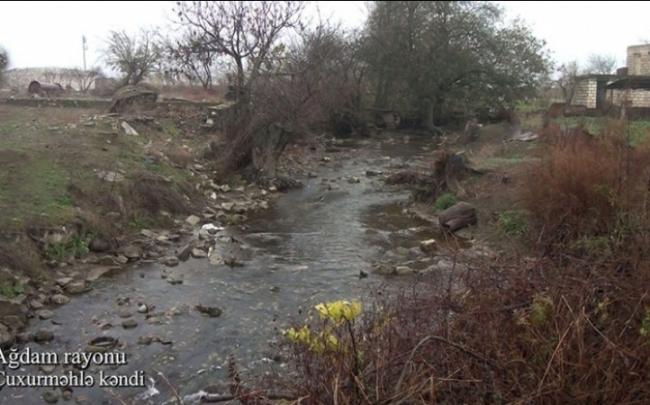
x=84, y=47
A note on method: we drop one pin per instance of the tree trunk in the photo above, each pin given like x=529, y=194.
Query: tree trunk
x=267, y=148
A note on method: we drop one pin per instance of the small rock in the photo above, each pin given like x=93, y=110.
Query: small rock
x=174, y=281
x=312, y=175
x=48, y=368
x=129, y=323
x=63, y=281
x=121, y=259
x=354, y=180
x=124, y=313
x=227, y=206
x=59, y=299
x=131, y=252
x=43, y=336
x=6, y=337
x=212, y=312
x=145, y=340
x=35, y=304
x=326, y=159
x=170, y=261
x=372, y=173
x=401, y=270
x=51, y=397
x=128, y=129
x=76, y=287
x=428, y=246
x=193, y=220
x=45, y=314
x=102, y=344
x=199, y=254
x=362, y=274
x=143, y=308
x=184, y=253
x=232, y=262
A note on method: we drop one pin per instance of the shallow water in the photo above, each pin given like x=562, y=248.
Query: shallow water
x=308, y=248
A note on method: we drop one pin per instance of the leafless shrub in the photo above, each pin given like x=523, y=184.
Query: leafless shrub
x=133, y=56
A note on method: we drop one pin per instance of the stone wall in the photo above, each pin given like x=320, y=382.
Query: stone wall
x=585, y=93
x=636, y=98
x=638, y=59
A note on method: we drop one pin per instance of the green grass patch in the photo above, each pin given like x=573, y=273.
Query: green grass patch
x=11, y=289
x=513, y=223
x=76, y=247
x=445, y=200
x=35, y=187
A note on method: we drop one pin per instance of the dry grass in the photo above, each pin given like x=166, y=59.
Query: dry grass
x=586, y=187
x=562, y=328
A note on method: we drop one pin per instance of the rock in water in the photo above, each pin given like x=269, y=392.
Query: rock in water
x=170, y=261
x=43, y=336
x=457, y=217
x=129, y=323
x=212, y=312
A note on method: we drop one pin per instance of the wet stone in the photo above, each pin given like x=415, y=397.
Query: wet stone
x=51, y=397
x=59, y=299
x=45, y=314
x=129, y=323
x=43, y=336
x=170, y=261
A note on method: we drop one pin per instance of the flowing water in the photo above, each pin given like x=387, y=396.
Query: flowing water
x=309, y=247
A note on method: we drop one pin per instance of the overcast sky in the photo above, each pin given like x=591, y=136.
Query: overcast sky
x=48, y=34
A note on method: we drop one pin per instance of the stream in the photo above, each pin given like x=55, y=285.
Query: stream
x=309, y=247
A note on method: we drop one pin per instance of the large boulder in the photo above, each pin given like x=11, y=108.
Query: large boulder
x=457, y=216
x=133, y=99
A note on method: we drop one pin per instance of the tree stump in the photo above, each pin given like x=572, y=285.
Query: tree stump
x=457, y=217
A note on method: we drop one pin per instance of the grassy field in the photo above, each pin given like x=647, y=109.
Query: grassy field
x=48, y=153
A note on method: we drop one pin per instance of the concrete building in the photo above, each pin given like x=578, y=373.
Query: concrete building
x=629, y=87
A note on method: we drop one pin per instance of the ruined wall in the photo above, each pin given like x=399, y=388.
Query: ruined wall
x=638, y=59
x=585, y=93
x=636, y=98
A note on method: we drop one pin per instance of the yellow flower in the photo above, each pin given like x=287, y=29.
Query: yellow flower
x=302, y=335
x=339, y=311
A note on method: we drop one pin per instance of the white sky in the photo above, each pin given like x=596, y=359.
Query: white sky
x=39, y=34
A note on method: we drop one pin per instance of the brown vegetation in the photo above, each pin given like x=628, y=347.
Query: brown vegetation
x=562, y=328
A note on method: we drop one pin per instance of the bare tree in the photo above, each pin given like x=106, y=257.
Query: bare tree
x=600, y=64
x=190, y=59
x=567, y=80
x=133, y=56
x=244, y=32
x=84, y=79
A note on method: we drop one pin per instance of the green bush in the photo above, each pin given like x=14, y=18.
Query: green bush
x=513, y=223
x=11, y=290
x=77, y=246
x=445, y=200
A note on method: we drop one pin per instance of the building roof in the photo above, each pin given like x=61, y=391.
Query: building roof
x=630, y=82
